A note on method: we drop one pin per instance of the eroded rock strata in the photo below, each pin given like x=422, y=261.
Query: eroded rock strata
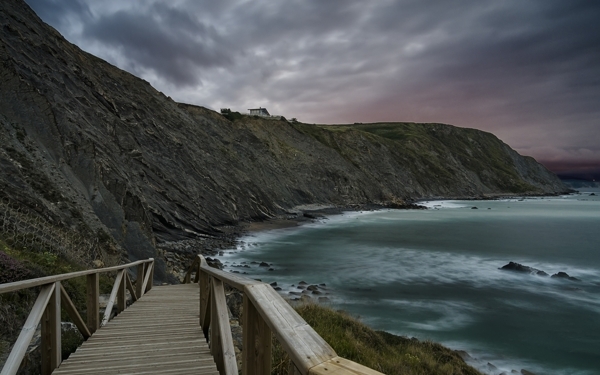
x=91, y=150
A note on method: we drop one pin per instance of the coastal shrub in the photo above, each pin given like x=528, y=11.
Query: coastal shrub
x=11, y=269
x=381, y=351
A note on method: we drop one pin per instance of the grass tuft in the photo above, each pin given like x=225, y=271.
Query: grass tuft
x=381, y=351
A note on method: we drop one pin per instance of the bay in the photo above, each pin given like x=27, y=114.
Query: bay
x=434, y=274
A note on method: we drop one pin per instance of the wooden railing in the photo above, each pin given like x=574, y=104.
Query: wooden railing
x=53, y=297
x=265, y=313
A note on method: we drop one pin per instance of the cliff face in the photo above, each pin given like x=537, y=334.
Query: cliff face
x=92, y=149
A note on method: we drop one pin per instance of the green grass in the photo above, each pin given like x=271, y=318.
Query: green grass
x=426, y=148
x=378, y=350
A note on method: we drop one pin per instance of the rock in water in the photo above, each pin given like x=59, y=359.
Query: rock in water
x=513, y=266
x=564, y=275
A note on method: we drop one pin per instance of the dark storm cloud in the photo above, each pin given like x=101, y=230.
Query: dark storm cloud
x=528, y=71
x=169, y=41
x=54, y=12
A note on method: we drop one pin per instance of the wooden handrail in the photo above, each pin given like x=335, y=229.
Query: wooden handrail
x=53, y=296
x=265, y=311
x=24, y=284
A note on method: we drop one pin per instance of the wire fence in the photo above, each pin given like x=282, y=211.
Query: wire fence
x=24, y=228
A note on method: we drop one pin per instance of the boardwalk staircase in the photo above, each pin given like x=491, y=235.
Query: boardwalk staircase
x=174, y=329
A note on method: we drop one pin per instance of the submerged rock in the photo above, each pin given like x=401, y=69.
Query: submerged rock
x=513, y=266
x=564, y=275
x=517, y=267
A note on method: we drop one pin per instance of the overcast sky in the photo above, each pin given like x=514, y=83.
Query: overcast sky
x=527, y=71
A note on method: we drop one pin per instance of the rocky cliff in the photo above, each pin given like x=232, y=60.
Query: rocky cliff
x=90, y=149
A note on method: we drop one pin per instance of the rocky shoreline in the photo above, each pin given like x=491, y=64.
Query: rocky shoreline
x=178, y=255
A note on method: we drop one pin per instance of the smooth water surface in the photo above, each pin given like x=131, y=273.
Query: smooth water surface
x=434, y=274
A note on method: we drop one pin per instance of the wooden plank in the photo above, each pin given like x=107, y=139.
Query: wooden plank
x=221, y=331
x=304, y=346
x=168, y=341
x=11, y=366
x=129, y=365
x=23, y=284
x=125, y=330
x=138, y=361
x=257, y=343
x=342, y=366
x=93, y=302
x=73, y=314
x=111, y=299
x=184, y=347
x=50, y=346
x=141, y=344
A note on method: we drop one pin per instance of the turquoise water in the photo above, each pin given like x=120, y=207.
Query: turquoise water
x=433, y=274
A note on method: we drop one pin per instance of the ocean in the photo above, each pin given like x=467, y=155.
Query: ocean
x=434, y=274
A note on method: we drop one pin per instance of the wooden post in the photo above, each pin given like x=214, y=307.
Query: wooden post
x=257, y=344
x=215, y=340
x=151, y=279
x=11, y=366
x=51, y=333
x=121, y=294
x=221, y=341
x=204, y=303
x=197, y=277
x=93, y=302
x=139, y=282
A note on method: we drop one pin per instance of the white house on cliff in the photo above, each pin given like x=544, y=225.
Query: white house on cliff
x=259, y=112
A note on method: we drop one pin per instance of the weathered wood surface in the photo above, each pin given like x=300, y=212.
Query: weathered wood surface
x=341, y=366
x=304, y=346
x=159, y=334
x=16, y=355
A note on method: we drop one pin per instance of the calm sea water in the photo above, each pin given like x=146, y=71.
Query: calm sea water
x=434, y=274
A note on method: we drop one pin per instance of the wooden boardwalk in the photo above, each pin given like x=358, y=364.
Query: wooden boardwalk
x=165, y=330
x=159, y=334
